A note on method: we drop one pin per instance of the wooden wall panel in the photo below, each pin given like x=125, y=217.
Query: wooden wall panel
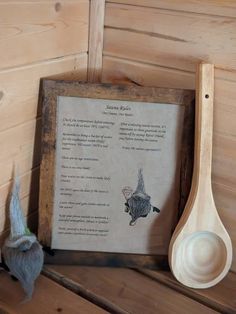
x=37, y=39
x=225, y=199
x=215, y=7
x=40, y=30
x=19, y=137
x=160, y=46
x=169, y=38
x=19, y=87
x=96, y=30
x=118, y=70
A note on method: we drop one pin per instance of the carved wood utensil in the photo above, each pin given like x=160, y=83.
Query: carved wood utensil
x=200, y=251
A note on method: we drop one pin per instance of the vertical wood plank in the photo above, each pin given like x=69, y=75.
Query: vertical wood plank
x=96, y=29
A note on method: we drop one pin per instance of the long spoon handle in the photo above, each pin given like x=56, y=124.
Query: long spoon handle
x=203, y=126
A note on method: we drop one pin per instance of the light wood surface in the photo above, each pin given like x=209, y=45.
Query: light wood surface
x=131, y=291
x=210, y=7
x=118, y=70
x=96, y=30
x=221, y=297
x=39, y=30
x=19, y=131
x=200, y=252
x=19, y=87
x=169, y=38
x=48, y=298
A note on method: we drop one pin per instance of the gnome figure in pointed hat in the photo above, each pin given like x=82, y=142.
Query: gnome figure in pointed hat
x=138, y=204
x=21, y=251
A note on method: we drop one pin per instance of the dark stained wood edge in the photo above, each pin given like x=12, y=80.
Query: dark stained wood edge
x=101, y=259
x=46, y=182
x=49, y=91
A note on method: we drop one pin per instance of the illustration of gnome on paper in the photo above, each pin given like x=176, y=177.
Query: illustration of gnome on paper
x=21, y=251
x=138, y=203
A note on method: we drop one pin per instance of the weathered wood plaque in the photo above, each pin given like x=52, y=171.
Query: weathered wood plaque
x=115, y=172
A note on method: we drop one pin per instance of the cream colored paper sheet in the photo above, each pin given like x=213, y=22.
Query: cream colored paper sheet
x=117, y=175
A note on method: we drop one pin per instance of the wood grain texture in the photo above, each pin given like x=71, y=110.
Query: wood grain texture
x=221, y=298
x=40, y=30
x=118, y=70
x=19, y=87
x=130, y=291
x=225, y=200
x=96, y=29
x=200, y=251
x=19, y=132
x=49, y=298
x=169, y=38
x=214, y=7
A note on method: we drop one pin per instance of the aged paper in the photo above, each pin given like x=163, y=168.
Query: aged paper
x=117, y=175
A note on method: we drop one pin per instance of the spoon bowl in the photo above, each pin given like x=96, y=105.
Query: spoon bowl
x=200, y=251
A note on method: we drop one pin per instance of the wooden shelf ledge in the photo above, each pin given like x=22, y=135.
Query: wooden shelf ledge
x=144, y=291
x=49, y=298
x=78, y=289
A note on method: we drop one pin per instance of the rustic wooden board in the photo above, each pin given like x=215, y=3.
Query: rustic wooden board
x=160, y=37
x=225, y=199
x=19, y=87
x=51, y=89
x=131, y=291
x=48, y=297
x=221, y=297
x=19, y=132
x=41, y=30
x=214, y=7
x=118, y=70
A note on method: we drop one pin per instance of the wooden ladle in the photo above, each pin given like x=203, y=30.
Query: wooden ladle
x=200, y=251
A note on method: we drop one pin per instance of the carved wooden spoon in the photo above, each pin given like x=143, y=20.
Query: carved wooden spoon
x=200, y=252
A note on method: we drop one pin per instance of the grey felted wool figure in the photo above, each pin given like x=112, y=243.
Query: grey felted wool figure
x=21, y=251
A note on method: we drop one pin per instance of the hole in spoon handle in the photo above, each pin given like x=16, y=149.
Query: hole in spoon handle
x=204, y=122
